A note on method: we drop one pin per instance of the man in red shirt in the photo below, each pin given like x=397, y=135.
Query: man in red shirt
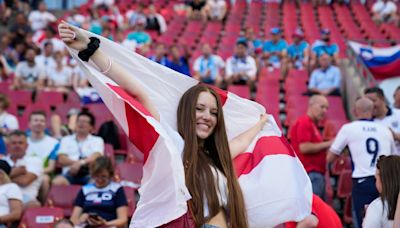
x=307, y=141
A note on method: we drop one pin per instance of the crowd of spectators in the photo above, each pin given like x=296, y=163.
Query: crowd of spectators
x=34, y=59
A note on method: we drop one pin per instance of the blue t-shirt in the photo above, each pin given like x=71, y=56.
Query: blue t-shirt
x=320, y=47
x=325, y=79
x=297, y=51
x=102, y=201
x=271, y=47
x=139, y=37
x=182, y=66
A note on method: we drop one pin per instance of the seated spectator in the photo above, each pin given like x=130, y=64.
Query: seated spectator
x=308, y=144
x=10, y=197
x=208, y=68
x=43, y=147
x=26, y=171
x=102, y=203
x=50, y=36
x=8, y=122
x=21, y=28
x=275, y=50
x=78, y=151
x=196, y=10
x=178, y=62
x=103, y=3
x=134, y=16
x=142, y=38
x=40, y=18
x=216, y=9
x=241, y=68
x=298, y=52
x=76, y=18
x=326, y=79
x=324, y=46
x=385, y=11
x=396, y=97
x=254, y=45
x=46, y=59
x=28, y=74
x=381, y=211
x=59, y=77
x=155, y=21
x=160, y=56
x=8, y=51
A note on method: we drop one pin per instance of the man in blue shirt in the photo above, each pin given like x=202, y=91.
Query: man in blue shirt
x=325, y=80
x=254, y=45
x=298, y=53
x=160, y=56
x=275, y=49
x=324, y=46
x=141, y=37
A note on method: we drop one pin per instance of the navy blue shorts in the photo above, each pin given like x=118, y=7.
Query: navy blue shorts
x=363, y=193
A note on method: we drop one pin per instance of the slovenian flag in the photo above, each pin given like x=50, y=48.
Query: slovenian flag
x=275, y=185
x=382, y=62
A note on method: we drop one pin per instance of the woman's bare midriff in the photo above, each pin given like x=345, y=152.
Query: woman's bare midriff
x=219, y=220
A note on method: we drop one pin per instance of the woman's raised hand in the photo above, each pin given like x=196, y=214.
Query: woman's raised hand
x=72, y=37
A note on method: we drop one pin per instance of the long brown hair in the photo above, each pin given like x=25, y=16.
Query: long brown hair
x=389, y=172
x=198, y=174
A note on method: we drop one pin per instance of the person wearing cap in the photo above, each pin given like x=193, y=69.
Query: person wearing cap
x=141, y=37
x=208, y=68
x=298, y=53
x=275, y=50
x=26, y=170
x=10, y=197
x=241, y=68
x=324, y=46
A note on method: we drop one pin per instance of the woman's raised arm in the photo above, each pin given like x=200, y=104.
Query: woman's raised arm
x=78, y=40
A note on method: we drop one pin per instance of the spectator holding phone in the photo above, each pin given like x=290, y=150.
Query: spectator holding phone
x=102, y=203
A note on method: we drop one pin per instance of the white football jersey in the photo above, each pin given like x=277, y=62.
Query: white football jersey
x=392, y=120
x=366, y=140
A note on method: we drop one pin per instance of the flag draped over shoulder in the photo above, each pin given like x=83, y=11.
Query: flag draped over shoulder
x=275, y=185
x=383, y=62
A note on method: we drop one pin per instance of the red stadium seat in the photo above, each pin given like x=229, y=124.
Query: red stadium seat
x=344, y=184
x=63, y=196
x=131, y=198
x=52, y=98
x=240, y=90
x=131, y=172
x=41, y=217
x=20, y=97
x=343, y=163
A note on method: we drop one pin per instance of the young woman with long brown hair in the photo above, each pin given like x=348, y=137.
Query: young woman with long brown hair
x=381, y=211
x=216, y=197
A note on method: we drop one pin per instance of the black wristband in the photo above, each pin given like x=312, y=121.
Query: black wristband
x=92, y=46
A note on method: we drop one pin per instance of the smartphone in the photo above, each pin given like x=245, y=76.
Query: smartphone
x=94, y=216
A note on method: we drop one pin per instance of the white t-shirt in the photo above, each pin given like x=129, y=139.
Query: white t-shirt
x=213, y=63
x=45, y=61
x=32, y=165
x=62, y=77
x=39, y=20
x=29, y=74
x=377, y=216
x=384, y=8
x=8, y=121
x=366, y=141
x=219, y=177
x=216, y=7
x=8, y=191
x=77, y=150
x=235, y=65
x=57, y=44
x=392, y=121
x=43, y=148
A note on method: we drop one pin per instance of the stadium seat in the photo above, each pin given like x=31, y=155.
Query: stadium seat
x=344, y=184
x=52, y=98
x=240, y=90
x=109, y=152
x=341, y=164
x=63, y=196
x=131, y=198
x=41, y=217
x=131, y=172
x=21, y=97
